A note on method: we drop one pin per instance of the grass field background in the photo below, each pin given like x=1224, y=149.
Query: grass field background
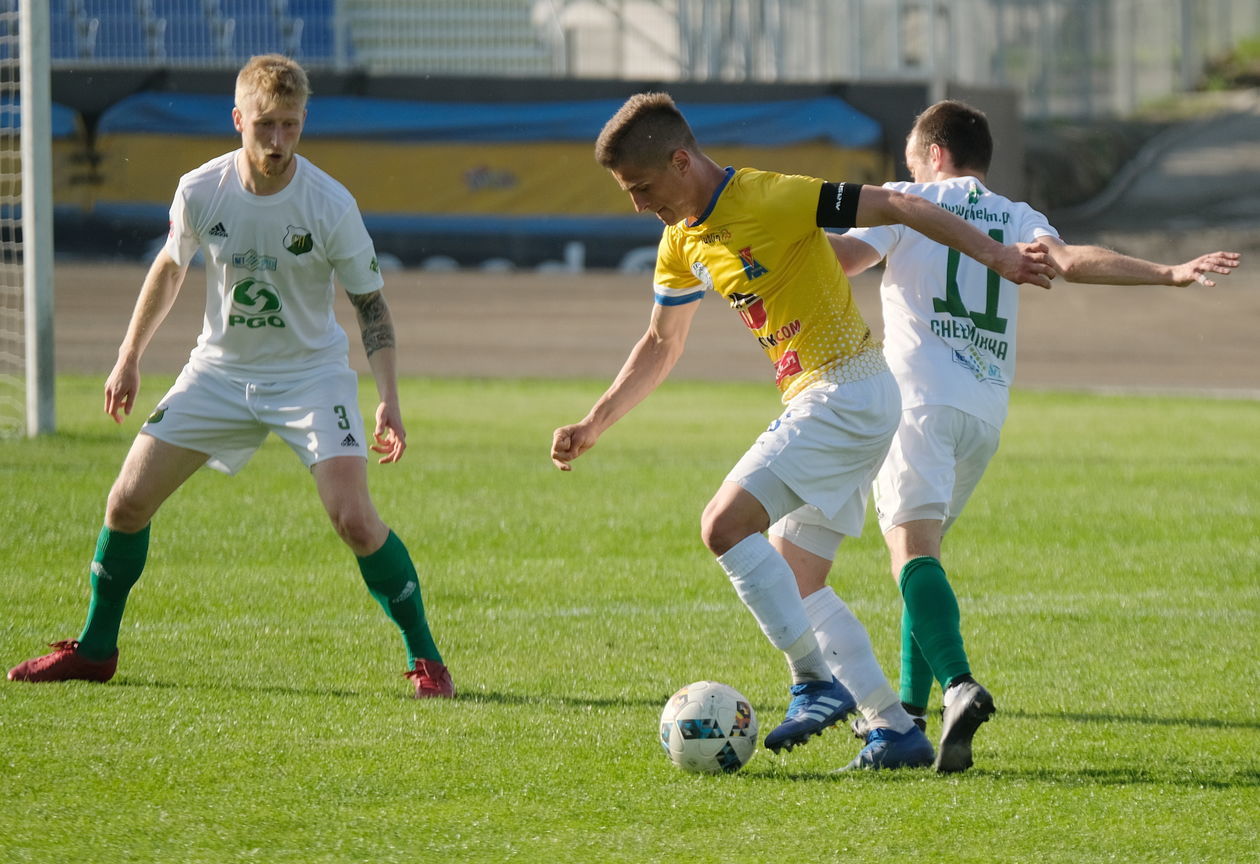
x=1106, y=571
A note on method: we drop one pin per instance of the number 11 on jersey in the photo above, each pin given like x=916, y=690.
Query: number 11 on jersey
x=953, y=303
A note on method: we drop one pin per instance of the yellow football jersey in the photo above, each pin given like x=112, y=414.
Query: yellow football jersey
x=760, y=247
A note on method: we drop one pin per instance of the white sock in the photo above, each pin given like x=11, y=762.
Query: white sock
x=766, y=584
x=847, y=650
x=806, y=660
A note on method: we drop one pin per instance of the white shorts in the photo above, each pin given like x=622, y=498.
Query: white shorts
x=938, y=456
x=229, y=419
x=812, y=469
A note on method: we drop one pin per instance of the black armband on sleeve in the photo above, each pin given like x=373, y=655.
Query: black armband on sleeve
x=837, y=205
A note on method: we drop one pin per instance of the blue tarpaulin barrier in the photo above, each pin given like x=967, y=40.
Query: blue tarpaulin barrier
x=758, y=124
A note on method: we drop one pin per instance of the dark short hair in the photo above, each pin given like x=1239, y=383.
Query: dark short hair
x=959, y=128
x=646, y=130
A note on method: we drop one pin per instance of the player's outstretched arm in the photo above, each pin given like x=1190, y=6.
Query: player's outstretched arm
x=649, y=363
x=1101, y=266
x=1025, y=264
x=157, y=295
x=376, y=327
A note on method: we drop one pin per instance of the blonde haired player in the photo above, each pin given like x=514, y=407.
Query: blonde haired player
x=275, y=231
x=754, y=237
x=949, y=335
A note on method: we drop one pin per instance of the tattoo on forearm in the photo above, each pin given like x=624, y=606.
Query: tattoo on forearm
x=374, y=322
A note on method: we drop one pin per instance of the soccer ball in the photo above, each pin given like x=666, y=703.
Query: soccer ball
x=708, y=728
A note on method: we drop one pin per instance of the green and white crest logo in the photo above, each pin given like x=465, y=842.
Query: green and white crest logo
x=298, y=240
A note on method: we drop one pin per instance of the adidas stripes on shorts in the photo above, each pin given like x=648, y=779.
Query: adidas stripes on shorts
x=228, y=419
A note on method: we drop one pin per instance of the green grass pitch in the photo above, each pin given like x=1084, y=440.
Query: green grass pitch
x=1106, y=570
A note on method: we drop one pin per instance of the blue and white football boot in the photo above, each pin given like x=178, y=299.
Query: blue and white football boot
x=815, y=705
x=888, y=749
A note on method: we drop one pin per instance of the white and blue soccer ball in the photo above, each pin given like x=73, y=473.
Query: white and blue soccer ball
x=709, y=728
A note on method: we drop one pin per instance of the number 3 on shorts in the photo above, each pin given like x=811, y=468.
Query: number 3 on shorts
x=343, y=422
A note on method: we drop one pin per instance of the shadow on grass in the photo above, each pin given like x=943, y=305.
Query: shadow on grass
x=1242, y=779
x=487, y=697
x=494, y=697
x=275, y=689
x=1247, y=778
x=1143, y=720
x=497, y=698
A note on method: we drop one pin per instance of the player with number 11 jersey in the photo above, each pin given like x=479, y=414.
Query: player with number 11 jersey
x=954, y=346
x=950, y=328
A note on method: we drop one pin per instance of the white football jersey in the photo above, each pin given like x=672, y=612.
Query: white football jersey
x=270, y=263
x=950, y=322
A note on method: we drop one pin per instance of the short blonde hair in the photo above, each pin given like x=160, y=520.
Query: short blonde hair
x=646, y=131
x=273, y=80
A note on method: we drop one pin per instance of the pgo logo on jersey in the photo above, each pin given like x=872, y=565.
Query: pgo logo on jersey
x=254, y=304
x=752, y=267
x=751, y=309
x=298, y=240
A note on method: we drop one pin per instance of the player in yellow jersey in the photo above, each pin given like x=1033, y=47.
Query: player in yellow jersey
x=757, y=239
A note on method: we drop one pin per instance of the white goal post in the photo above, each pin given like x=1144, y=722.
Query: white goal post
x=27, y=375
x=37, y=216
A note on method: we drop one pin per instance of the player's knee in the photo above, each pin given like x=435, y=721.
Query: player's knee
x=720, y=530
x=125, y=513
x=362, y=532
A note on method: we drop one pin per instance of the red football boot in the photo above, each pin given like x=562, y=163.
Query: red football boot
x=432, y=680
x=64, y=664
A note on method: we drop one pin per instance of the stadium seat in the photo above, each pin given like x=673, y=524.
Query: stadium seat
x=314, y=27
x=64, y=45
x=189, y=37
x=256, y=34
x=120, y=37
x=317, y=41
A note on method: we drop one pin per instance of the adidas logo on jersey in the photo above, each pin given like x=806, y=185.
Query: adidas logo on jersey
x=218, y=230
x=349, y=441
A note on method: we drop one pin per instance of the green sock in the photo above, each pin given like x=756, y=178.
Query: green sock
x=916, y=672
x=932, y=610
x=117, y=564
x=391, y=579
